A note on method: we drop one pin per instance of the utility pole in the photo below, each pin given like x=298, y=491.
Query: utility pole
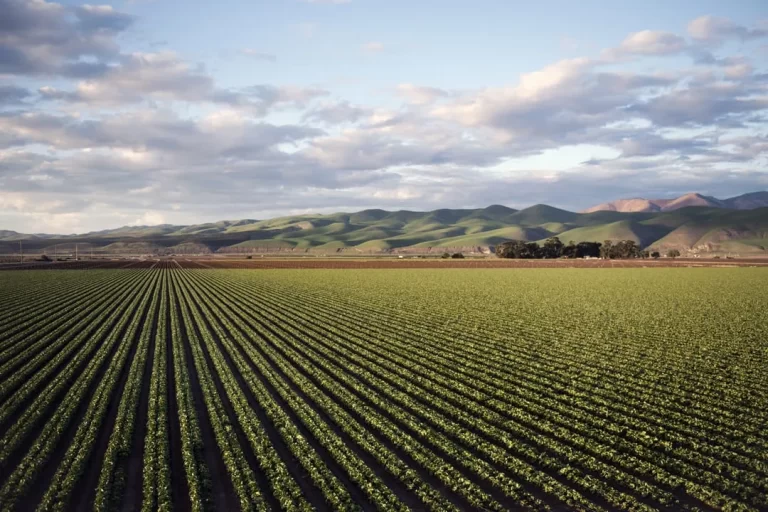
x=21, y=252
x=75, y=252
x=54, y=252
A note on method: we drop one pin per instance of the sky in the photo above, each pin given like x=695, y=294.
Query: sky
x=143, y=112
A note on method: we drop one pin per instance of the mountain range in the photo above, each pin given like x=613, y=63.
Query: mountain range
x=639, y=204
x=693, y=229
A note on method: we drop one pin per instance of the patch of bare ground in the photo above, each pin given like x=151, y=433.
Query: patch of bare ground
x=467, y=263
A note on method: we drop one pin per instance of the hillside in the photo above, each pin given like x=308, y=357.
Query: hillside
x=692, y=229
x=638, y=204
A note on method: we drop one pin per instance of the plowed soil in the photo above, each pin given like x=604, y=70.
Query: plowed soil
x=380, y=263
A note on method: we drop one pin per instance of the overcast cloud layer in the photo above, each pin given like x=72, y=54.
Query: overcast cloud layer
x=94, y=135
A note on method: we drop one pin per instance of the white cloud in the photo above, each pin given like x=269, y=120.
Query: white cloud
x=652, y=42
x=335, y=112
x=712, y=29
x=142, y=75
x=149, y=219
x=164, y=76
x=420, y=95
x=151, y=137
x=738, y=69
x=551, y=92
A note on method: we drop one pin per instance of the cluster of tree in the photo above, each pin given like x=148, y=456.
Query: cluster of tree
x=552, y=248
x=456, y=255
x=555, y=248
x=621, y=250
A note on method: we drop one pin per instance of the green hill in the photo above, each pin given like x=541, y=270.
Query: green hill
x=642, y=234
x=541, y=214
x=488, y=238
x=693, y=229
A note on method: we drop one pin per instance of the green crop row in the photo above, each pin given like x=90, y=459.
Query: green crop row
x=173, y=389
x=37, y=455
x=399, y=367
x=157, y=478
x=57, y=343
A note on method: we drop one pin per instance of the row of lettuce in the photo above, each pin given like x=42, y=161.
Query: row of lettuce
x=304, y=398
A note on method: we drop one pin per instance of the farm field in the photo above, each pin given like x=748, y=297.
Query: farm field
x=378, y=263
x=170, y=388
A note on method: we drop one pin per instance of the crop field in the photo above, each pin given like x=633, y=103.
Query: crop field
x=167, y=388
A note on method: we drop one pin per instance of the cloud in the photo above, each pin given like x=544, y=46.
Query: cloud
x=338, y=112
x=650, y=145
x=255, y=54
x=142, y=77
x=328, y=2
x=225, y=132
x=262, y=98
x=652, y=42
x=706, y=32
x=723, y=103
x=565, y=103
x=13, y=95
x=736, y=68
x=286, y=94
x=46, y=38
x=93, y=137
x=420, y=95
x=147, y=75
x=366, y=151
x=149, y=219
x=102, y=19
x=714, y=30
x=373, y=47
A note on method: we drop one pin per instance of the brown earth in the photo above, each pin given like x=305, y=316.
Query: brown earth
x=471, y=263
x=382, y=263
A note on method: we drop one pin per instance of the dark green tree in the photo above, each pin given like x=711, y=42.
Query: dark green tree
x=552, y=248
x=571, y=250
x=626, y=249
x=588, y=249
x=606, y=251
x=518, y=249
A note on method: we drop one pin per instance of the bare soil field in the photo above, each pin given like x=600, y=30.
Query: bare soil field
x=377, y=263
x=465, y=263
x=81, y=265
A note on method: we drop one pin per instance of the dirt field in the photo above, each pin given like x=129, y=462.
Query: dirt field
x=466, y=263
x=379, y=263
x=80, y=265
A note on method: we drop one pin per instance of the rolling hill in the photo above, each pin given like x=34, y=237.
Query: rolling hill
x=638, y=204
x=692, y=229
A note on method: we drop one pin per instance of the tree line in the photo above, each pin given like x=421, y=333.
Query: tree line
x=554, y=248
